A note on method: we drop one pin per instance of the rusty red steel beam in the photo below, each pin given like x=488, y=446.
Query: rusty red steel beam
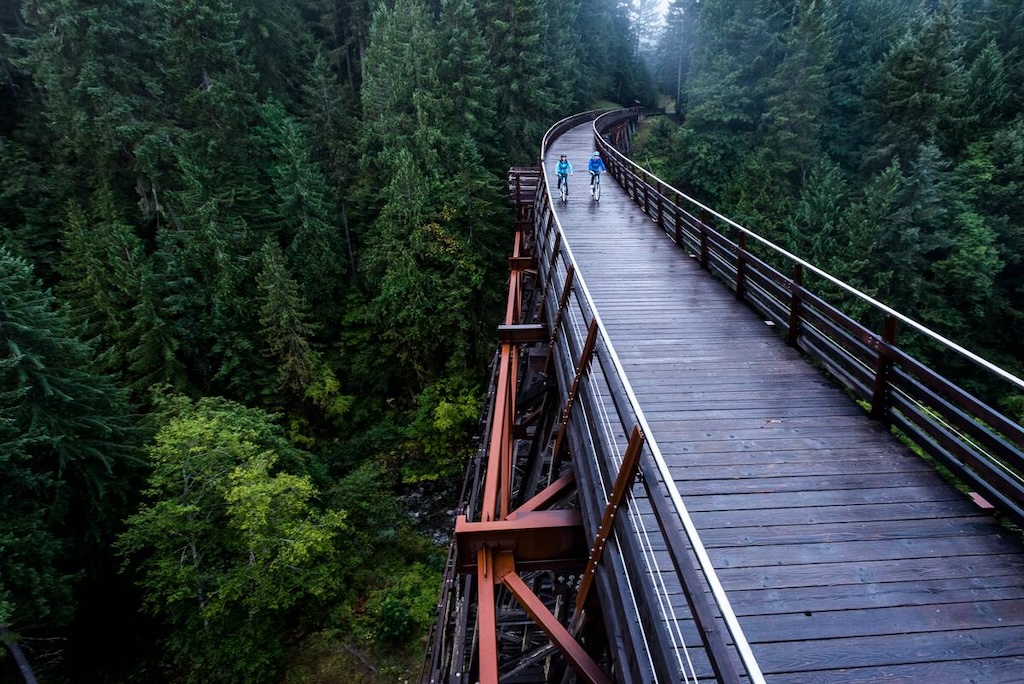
x=501, y=432
x=530, y=537
x=587, y=669
x=487, y=618
x=539, y=539
x=623, y=482
x=563, y=300
x=581, y=368
x=546, y=496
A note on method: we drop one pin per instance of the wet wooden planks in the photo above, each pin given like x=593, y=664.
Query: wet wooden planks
x=846, y=557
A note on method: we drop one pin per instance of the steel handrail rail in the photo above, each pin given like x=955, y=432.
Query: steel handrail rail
x=966, y=353
x=727, y=614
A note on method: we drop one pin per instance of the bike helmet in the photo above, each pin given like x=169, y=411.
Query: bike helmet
x=597, y=154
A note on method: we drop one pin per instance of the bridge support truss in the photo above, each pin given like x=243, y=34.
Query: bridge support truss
x=515, y=605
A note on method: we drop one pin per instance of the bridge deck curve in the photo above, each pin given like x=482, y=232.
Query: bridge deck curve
x=846, y=557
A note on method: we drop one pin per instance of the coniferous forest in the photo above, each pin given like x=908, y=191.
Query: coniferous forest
x=253, y=256
x=881, y=140
x=253, y=253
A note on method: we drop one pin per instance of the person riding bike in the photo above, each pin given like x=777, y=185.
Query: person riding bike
x=596, y=168
x=563, y=170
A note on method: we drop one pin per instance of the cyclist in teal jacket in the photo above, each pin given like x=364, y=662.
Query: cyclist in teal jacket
x=596, y=168
x=563, y=170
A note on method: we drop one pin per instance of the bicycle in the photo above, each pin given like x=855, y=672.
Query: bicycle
x=595, y=186
x=563, y=187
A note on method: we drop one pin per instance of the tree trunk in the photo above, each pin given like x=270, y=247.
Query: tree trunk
x=19, y=656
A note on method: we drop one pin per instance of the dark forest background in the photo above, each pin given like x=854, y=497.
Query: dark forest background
x=253, y=256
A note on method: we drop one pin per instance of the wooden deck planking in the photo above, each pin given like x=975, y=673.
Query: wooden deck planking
x=847, y=557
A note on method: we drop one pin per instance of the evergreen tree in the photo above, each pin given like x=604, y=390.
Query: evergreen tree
x=284, y=315
x=865, y=31
x=791, y=126
x=93, y=65
x=399, y=78
x=230, y=540
x=308, y=228
x=332, y=111
x=569, y=89
x=109, y=280
x=913, y=90
x=514, y=31
x=674, y=52
x=66, y=454
x=205, y=257
x=470, y=103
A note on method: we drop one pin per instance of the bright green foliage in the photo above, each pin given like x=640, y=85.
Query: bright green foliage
x=230, y=540
x=438, y=434
x=404, y=607
x=66, y=451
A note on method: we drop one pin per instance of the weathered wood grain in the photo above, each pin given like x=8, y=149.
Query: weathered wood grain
x=847, y=558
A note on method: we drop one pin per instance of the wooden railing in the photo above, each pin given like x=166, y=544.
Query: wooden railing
x=982, y=447
x=601, y=421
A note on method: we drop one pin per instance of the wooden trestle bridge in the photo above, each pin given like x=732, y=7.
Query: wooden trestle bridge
x=689, y=469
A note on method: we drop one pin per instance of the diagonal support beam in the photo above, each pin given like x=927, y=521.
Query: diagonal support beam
x=546, y=496
x=586, y=669
x=563, y=300
x=585, y=354
x=623, y=481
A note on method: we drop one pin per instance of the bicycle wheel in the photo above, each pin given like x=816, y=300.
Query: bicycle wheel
x=597, y=188
x=564, y=189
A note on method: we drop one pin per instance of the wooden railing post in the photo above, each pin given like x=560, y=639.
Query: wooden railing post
x=705, y=218
x=794, y=305
x=661, y=206
x=741, y=267
x=880, y=393
x=679, y=225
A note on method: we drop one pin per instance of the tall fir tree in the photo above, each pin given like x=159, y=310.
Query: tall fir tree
x=67, y=453
x=913, y=90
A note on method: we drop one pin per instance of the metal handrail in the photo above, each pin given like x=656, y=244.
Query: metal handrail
x=980, y=445
x=706, y=568
x=874, y=303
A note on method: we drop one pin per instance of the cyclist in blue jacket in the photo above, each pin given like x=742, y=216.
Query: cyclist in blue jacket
x=563, y=170
x=596, y=168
